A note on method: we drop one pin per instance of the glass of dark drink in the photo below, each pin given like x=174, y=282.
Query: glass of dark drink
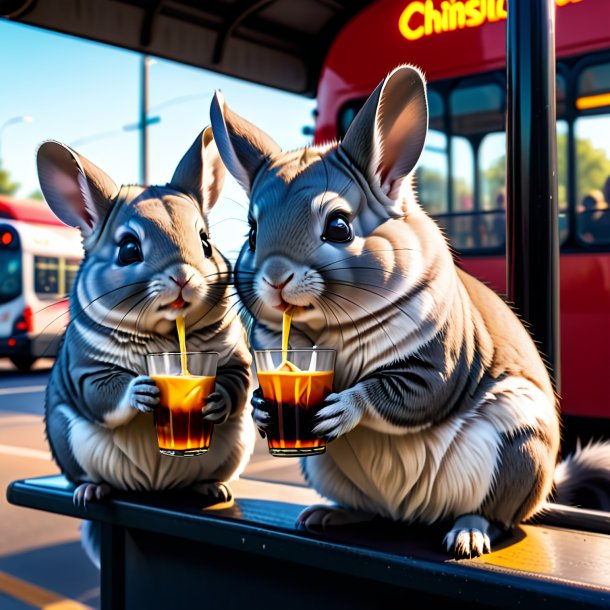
x=185, y=381
x=295, y=382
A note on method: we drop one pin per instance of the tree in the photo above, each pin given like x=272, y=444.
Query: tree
x=592, y=169
x=6, y=186
x=36, y=195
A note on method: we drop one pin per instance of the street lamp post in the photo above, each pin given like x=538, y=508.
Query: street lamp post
x=143, y=121
x=13, y=121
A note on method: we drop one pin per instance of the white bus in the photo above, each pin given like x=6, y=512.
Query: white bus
x=39, y=260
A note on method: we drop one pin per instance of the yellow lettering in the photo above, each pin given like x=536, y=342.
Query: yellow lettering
x=474, y=15
x=453, y=15
x=404, y=23
x=457, y=16
x=432, y=19
x=445, y=6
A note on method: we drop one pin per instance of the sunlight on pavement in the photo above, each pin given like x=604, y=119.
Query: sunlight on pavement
x=36, y=596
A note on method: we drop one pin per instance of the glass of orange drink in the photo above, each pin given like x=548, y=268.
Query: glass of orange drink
x=295, y=382
x=185, y=380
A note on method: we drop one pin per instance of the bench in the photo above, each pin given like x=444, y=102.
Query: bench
x=169, y=551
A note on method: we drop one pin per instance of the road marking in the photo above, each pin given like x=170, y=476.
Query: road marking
x=25, y=452
x=36, y=596
x=8, y=418
x=27, y=389
x=263, y=465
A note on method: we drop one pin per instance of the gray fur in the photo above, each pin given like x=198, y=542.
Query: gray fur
x=99, y=399
x=583, y=478
x=442, y=407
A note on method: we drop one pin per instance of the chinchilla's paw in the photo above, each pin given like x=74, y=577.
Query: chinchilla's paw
x=217, y=407
x=260, y=412
x=340, y=414
x=143, y=393
x=89, y=492
x=217, y=491
x=469, y=537
x=320, y=516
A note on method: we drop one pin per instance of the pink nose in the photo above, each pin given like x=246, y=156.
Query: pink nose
x=281, y=284
x=181, y=283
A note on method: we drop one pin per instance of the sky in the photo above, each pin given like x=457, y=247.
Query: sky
x=83, y=93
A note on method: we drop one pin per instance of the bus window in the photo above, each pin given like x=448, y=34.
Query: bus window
x=432, y=174
x=432, y=171
x=562, y=178
x=10, y=269
x=46, y=276
x=347, y=115
x=593, y=155
x=72, y=266
x=462, y=172
x=477, y=109
x=492, y=196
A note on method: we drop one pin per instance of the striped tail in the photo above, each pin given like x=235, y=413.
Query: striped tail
x=583, y=478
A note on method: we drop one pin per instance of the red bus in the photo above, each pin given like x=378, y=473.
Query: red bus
x=461, y=46
x=39, y=260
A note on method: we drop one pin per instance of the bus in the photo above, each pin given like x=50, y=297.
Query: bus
x=39, y=260
x=461, y=47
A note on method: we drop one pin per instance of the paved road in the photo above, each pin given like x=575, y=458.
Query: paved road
x=41, y=561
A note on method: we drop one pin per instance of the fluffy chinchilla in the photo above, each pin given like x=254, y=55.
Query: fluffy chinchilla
x=443, y=408
x=148, y=259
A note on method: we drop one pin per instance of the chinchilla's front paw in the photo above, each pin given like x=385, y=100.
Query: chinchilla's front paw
x=142, y=393
x=260, y=412
x=341, y=413
x=217, y=407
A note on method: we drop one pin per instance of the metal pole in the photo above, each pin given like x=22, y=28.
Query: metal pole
x=531, y=180
x=144, y=120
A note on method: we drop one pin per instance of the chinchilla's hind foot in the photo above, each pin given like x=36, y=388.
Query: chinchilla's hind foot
x=470, y=537
x=89, y=492
x=320, y=517
x=217, y=491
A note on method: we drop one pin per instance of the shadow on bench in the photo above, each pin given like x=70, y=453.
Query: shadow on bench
x=169, y=551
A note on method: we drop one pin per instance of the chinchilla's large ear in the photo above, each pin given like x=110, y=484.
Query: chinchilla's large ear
x=79, y=193
x=201, y=173
x=243, y=147
x=386, y=138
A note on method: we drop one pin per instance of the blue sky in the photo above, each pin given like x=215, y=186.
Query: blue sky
x=74, y=89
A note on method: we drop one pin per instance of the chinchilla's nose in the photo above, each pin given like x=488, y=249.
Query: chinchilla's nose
x=180, y=275
x=277, y=271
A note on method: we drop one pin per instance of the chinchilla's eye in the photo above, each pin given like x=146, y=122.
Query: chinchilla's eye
x=338, y=228
x=252, y=237
x=207, y=246
x=129, y=251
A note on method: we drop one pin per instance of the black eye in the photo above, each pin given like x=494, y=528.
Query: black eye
x=252, y=236
x=129, y=251
x=338, y=228
x=207, y=247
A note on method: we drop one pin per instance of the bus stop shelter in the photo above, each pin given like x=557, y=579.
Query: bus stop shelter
x=167, y=550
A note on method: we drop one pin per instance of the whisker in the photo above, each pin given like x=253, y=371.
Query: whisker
x=365, y=252
x=117, y=328
x=368, y=313
x=83, y=309
x=373, y=292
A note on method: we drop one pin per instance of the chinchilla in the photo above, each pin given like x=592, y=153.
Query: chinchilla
x=442, y=406
x=148, y=259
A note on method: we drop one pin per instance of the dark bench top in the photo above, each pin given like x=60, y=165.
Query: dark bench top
x=535, y=565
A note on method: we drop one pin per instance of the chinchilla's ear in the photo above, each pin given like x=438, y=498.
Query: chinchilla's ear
x=243, y=147
x=201, y=173
x=386, y=138
x=79, y=193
